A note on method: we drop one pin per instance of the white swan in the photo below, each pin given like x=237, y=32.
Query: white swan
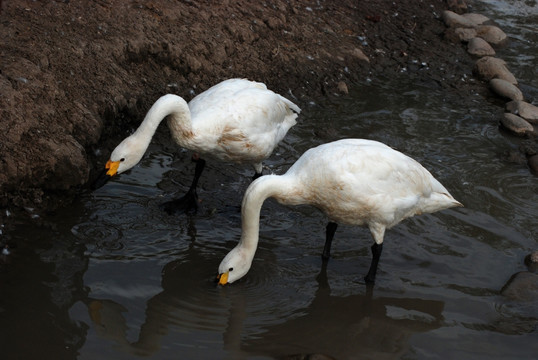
x=236, y=120
x=353, y=181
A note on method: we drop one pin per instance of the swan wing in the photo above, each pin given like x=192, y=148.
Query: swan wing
x=221, y=91
x=241, y=120
x=359, y=181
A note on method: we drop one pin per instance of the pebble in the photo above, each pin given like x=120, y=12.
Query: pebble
x=478, y=19
x=531, y=261
x=468, y=20
x=460, y=34
x=480, y=47
x=359, y=54
x=490, y=67
x=515, y=124
x=342, y=87
x=452, y=19
x=525, y=110
x=505, y=89
x=523, y=286
x=492, y=34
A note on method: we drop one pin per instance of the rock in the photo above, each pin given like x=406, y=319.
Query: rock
x=522, y=286
x=274, y=23
x=452, y=19
x=470, y=20
x=492, y=34
x=523, y=109
x=360, y=55
x=531, y=260
x=479, y=47
x=342, y=87
x=458, y=6
x=490, y=67
x=515, y=124
x=465, y=34
x=505, y=89
x=532, y=161
x=478, y=19
x=193, y=63
x=460, y=34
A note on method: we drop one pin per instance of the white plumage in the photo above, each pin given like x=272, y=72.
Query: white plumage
x=353, y=181
x=236, y=120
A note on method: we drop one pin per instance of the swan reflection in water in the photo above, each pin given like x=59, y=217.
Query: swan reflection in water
x=198, y=315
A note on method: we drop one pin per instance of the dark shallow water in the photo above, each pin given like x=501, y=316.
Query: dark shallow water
x=113, y=277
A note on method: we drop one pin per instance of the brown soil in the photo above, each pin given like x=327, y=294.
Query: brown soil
x=75, y=75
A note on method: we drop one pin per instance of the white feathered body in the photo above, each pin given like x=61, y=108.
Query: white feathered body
x=236, y=120
x=364, y=182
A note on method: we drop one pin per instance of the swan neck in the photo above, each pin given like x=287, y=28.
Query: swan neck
x=167, y=105
x=261, y=189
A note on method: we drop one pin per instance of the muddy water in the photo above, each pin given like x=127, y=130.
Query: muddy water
x=112, y=277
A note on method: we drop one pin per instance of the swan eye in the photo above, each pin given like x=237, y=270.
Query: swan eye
x=122, y=159
x=231, y=269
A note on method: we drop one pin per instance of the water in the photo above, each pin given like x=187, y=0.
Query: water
x=112, y=277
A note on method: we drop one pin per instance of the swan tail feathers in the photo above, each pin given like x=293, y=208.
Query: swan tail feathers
x=440, y=201
x=291, y=105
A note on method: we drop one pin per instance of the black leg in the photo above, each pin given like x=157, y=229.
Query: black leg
x=188, y=202
x=200, y=165
x=323, y=281
x=376, y=254
x=329, y=234
x=256, y=175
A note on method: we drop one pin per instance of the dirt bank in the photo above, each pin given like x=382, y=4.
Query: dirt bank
x=76, y=75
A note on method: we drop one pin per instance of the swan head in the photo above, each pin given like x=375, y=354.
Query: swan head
x=126, y=155
x=234, y=266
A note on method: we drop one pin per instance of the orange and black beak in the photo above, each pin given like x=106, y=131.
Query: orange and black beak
x=111, y=169
x=222, y=279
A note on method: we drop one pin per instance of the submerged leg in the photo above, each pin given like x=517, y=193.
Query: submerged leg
x=189, y=201
x=376, y=254
x=258, y=171
x=329, y=234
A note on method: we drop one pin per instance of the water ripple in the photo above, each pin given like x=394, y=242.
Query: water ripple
x=102, y=237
